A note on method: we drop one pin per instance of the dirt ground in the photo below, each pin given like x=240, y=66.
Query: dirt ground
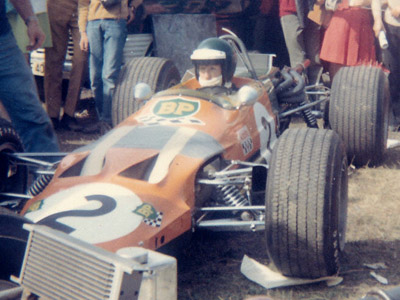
x=210, y=265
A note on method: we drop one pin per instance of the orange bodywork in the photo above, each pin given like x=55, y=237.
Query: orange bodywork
x=136, y=185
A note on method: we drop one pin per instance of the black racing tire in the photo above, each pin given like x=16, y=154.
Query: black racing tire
x=359, y=112
x=159, y=73
x=13, y=178
x=306, y=203
x=13, y=239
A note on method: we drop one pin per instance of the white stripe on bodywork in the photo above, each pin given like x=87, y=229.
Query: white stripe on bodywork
x=95, y=161
x=169, y=152
x=267, y=134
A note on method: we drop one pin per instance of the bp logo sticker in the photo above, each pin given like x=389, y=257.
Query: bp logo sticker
x=176, y=108
x=146, y=210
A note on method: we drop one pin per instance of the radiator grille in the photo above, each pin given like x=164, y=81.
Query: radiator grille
x=59, y=269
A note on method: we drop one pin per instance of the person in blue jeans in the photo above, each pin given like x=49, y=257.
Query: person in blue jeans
x=103, y=34
x=17, y=86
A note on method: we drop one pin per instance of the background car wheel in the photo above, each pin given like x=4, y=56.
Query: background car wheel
x=159, y=73
x=306, y=203
x=359, y=112
x=13, y=178
x=13, y=240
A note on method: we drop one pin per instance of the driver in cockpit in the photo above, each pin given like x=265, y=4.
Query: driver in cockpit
x=215, y=64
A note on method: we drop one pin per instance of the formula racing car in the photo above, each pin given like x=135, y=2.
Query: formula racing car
x=183, y=158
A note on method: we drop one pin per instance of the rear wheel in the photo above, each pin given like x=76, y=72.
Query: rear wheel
x=159, y=73
x=13, y=178
x=306, y=203
x=359, y=112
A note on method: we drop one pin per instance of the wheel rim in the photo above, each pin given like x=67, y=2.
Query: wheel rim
x=172, y=82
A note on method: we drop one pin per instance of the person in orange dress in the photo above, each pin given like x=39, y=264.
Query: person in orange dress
x=349, y=38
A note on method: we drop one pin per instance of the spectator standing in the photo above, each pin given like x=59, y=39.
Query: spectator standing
x=302, y=36
x=390, y=56
x=349, y=39
x=268, y=35
x=63, y=18
x=17, y=86
x=103, y=34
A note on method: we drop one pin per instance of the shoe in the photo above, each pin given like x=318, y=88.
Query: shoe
x=101, y=127
x=84, y=114
x=55, y=122
x=70, y=123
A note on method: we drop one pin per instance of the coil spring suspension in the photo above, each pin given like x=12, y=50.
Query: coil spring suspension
x=39, y=184
x=309, y=117
x=231, y=196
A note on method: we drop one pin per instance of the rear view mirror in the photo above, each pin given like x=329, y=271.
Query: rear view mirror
x=247, y=95
x=142, y=91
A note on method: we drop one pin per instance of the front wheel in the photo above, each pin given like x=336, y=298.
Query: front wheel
x=306, y=203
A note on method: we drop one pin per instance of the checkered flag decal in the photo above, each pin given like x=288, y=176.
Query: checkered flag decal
x=154, y=222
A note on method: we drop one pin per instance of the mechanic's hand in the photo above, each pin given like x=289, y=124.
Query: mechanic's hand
x=299, y=68
x=132, y=12
x=35, y=34
x=84, y=42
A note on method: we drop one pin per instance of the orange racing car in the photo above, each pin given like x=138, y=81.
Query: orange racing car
x=190, y=158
